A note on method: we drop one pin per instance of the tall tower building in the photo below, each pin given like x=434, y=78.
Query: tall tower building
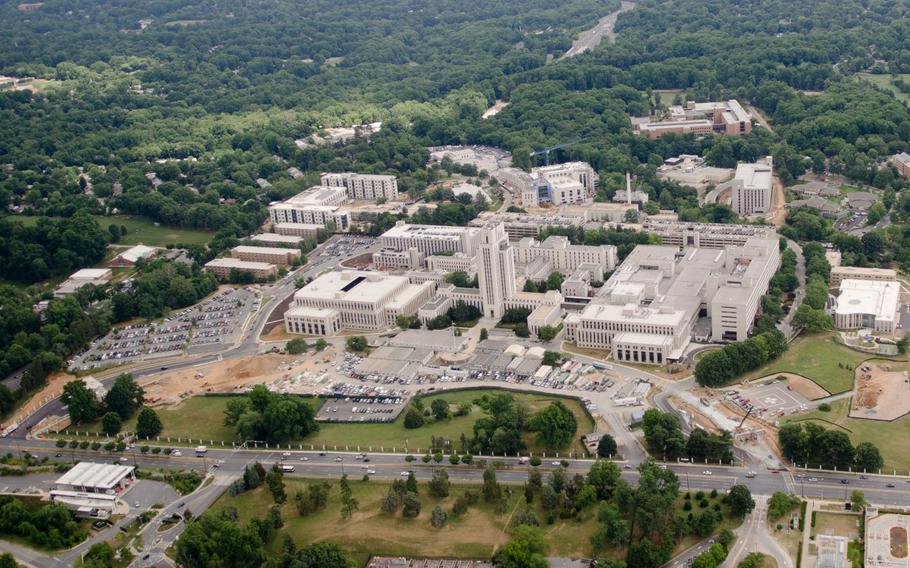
x=495, y=269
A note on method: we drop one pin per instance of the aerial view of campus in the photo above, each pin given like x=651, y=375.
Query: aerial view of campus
x=455, y=283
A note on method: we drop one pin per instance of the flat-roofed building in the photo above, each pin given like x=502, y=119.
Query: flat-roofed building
x=390, y=258
x=221, y=267
x=902, y=163
x=564, y=256
x=354, y=299
x=572, y=182
x=868, y=304
x=322, y=215
x=302, y=230
x=272, y=255
x=132, y=255
x=841, y=273
x=431, y=239
x=83, y=277
x=90, y=477
x=370, y=187
x=752, y=187
x=728, y=118
x=544, y=315
x=706, y=235
x=646, y=310
x=319, y=195
x=458, y=262
x=277, y=239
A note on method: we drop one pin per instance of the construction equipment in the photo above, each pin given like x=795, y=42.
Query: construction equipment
x=545, y=152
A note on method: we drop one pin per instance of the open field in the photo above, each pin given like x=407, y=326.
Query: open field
x=371, y=532
x=817, y=357
x=142, y=230
x=838, y=524
x=202, y=417
x=884, y=81
x=890, y=437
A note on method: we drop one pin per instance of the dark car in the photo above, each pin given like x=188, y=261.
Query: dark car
x=845, y=482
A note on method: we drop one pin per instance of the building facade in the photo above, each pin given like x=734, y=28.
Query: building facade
x=431, y=239
x=271, y=255
x=752, y=188
x=221, y=267
x=369, y=187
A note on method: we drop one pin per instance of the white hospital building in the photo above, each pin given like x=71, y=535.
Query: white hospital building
x=646, y=311
x=572, y=182
x=354, y=299
x=752, y=188
x=315, y=206
x=431, y=239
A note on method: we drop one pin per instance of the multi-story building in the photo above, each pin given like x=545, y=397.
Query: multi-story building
x=752, y=188
x=572, y=182
x=722, y=117
x=354, y=299
x=495, y=270
x=277, y=239
x=391, y=258
x=647, y=309
x=868, y=304
x=902, y=163
x=370, y=187
x=564, y=256
x=458, y=262
x=221, y=267
x=706, y=235
x=315, y=206
x=272, y=255
x=302, y=230
x=431, y=239
x=841, y=273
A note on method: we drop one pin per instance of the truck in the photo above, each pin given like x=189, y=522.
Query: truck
x=201, y=451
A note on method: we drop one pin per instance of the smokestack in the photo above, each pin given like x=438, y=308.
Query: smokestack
x=628, y=188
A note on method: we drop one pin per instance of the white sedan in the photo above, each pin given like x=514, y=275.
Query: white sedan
x=706, y=472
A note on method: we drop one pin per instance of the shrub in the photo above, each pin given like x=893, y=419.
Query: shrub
x=156, y=450
x=454, y=459
x=535, y=461
x=62, y=443
x=824, y=407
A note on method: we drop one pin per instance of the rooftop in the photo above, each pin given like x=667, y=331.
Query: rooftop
x=98, y=475
x=352, y=286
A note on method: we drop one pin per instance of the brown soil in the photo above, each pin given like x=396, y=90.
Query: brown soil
x=778, y=213
x=898, y=542
x=805, y=387
x=882, y=393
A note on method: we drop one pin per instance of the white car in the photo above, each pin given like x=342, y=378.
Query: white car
x=124, y=459
x=371, y=472
x=286, y=455
x=706, y=472
x=176, y=453
x=405, y=473
x=338, y=459
x=304, y=459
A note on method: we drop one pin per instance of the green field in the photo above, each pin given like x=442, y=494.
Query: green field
x=890, y=437
x=817, y=357
x=371, y=532
x=884, y=81
x=141, y=230
x=202, y=417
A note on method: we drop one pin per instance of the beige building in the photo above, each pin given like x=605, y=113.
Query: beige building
x=277, y=239
x=272, y=255
x=841, y=273
x=315, y=206
x=563, y=256
x=572, y=182
x=431, y=239
x=221, y=267
x=728, y=118
x=369, y=187
x=411, y=259
x=902, y=163
x=302, y=230
x=706, y=235
x=354, y=299
x=752, y=187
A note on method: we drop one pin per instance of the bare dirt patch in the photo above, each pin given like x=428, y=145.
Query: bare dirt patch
x=234, y=376
x=882, y=391
x=898, y=542
x=805, y=387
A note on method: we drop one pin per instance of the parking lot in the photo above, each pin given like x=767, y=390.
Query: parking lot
x=344, y=245
x=207, y=326
x=362, y=409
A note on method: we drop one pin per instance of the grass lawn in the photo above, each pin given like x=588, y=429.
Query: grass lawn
x=817, y=357
x=884, y=81
x=839, y=524
x=371, y=532
x=890, y=437
x=203, y=417
x=142, y=230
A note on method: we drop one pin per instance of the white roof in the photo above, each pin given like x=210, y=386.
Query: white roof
x=352, y=285
x=276, y=238
x=266, y=250
x=869, y=297
x=754, y=176
x=137, y=252
x=91, y=274
x=98, y=475
x=227, y=262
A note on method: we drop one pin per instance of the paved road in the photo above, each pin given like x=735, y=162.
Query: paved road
x=589, y=39
x=785, y=325
x=753, y=536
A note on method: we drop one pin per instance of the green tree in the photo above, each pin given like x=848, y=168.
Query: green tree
x=555, y=425
x=868, y=458
x=111, y=423
x=858, y=500
x=297, y=345
x=527, y=549
x=148, y=424
x=740, y=501
x=438, y=517
x=439, y=485
x=80, y=402
x=551, y=358
x=100, y=555
x=356, y=343
x=411, y=506
x=484, y=334
x=554, y=281
x=124, y=397
x=606, y=446
x=413, y=418
x=440, y=409
x=321, y=555
x=320, y=344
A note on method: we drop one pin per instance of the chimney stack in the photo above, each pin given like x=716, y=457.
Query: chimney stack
x=628, y=188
